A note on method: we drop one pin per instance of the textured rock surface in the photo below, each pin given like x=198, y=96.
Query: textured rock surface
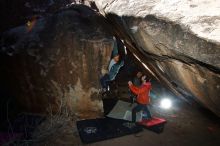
x=201, y=17
x=55, y=62
x=178, y=40
x=18, y=12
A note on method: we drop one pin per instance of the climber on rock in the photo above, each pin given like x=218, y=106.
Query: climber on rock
x=113, y=68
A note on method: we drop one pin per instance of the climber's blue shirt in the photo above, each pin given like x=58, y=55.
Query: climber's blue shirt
x=112, y=62
x=114, y=68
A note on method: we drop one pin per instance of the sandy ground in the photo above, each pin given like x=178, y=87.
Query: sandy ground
x=186, y=126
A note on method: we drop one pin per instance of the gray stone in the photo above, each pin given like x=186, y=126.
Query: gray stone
x=178, y=41
x=57, y=61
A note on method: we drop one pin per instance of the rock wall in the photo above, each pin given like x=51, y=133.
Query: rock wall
x=177, y=40
x=54, y=63
x=18, y=12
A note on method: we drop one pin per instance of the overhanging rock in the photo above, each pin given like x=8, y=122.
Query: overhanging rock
x=178, y=40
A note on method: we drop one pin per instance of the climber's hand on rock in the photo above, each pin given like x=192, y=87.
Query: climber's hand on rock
x=130, y=83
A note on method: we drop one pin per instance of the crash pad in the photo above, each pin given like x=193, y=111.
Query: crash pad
x=93, y=130
x=122, y=110
x=155, y=124
x=152, y=122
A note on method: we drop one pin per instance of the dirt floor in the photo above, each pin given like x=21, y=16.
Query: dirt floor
x=186, y=126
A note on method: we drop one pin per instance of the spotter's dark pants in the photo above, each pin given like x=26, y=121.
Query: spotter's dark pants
x=138, y=108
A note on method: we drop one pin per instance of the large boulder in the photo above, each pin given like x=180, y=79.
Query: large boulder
x=54, y=63
x=178, y=40
x=18, y=12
